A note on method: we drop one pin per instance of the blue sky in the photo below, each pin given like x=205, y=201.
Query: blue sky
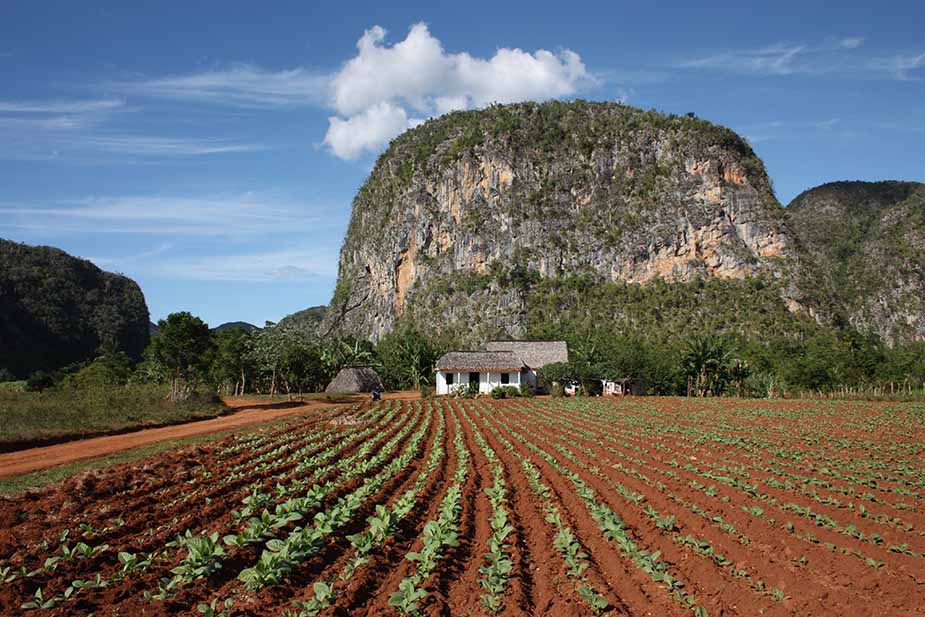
x=210, y=150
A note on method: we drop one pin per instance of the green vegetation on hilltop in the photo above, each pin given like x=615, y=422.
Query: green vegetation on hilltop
x=56, y=310
x=645, y=331
x=306, y=318
x=552, y=127
x=235, y=325
x=863, y=262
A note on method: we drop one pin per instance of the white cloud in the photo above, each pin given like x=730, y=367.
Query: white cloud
x=294, y=264
x=787, y=129
x=377, y=92
x=384, y=89
x=105, y=262
x=903, y=67
x=851, y=42
x=782, y=58
x=68, y=139
x=241, y=85
x=833, y=56
x=244, y=214
x=144, y=145
x=366, y=131
x=60, y=107
x=513, y=75
x=62, y=129
x=412, y=69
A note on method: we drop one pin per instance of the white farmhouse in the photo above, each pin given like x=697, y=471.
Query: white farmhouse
x=503, y=363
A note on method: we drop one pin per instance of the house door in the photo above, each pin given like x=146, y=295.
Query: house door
x=474, y=378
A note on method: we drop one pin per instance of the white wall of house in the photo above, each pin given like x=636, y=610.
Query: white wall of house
x=488, y=380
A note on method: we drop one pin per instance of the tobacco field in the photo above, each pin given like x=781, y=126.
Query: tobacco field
x=649, y=506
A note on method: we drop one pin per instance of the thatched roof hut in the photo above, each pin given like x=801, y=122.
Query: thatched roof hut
x=535, y=354
x=479, y=361
x=355, y=379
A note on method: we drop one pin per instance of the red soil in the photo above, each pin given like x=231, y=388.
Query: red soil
x=657, y=448
x=246, y=412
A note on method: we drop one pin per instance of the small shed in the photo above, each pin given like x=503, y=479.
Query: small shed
x=626, y=386
x=355, y=379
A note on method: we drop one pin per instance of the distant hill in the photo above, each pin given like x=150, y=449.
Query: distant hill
x=56, y=309
x=863, y=260
x=236, y=325
x=464, y=215
x=308, y=318
x=512, y=220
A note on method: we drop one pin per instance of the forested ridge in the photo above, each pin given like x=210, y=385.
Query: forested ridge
x=56, y=309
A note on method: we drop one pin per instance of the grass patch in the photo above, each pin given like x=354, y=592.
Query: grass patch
x=38, y=479
x=69, y=411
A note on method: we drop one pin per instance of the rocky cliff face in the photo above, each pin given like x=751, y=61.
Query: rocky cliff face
x=863, y=255
x=462, y=212
x=56, y=309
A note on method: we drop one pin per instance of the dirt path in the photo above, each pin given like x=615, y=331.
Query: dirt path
x=246, y=412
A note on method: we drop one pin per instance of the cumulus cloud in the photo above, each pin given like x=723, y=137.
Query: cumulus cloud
x=384, y=90
x=366, y=131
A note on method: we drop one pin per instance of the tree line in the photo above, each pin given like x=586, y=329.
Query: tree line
x=278, y=359
x=185, y=355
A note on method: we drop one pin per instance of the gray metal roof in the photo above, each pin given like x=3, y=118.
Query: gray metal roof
x=479, y=361
x=534, y=354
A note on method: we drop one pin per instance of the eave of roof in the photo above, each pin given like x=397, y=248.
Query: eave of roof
x=488, y=369
x=479, y=361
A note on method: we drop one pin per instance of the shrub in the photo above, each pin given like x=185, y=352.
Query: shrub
x=427, y=391
x=39, y=380
x=557, y=389
x=465, y=390
x=101, y=373
x=526, y=390
x=505, y=392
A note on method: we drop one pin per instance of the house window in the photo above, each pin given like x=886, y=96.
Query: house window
x=505, y=378
x=449, y=379
x=473, y=377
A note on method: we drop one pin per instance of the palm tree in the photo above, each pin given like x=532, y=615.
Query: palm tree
x=705, y=362
x=343, y=353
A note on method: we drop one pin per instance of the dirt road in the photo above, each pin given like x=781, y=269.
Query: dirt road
x=246, y=412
